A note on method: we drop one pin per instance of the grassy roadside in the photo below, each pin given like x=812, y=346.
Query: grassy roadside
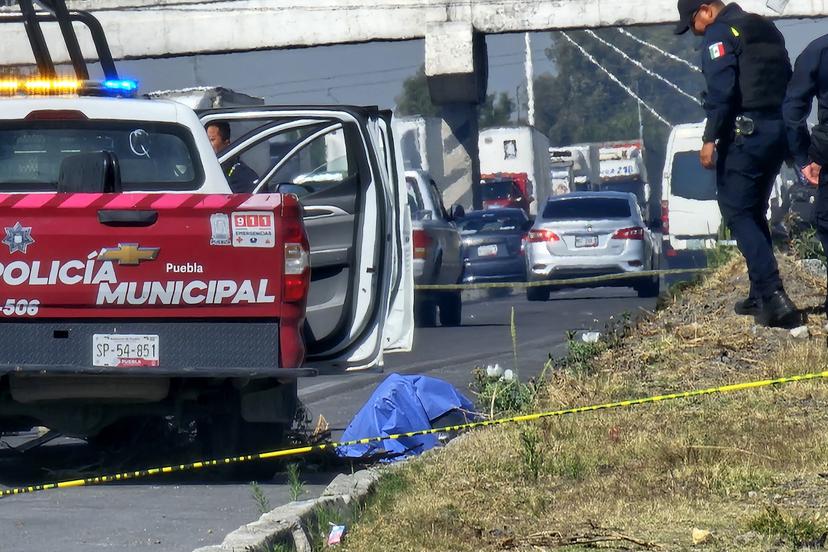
x=749, y=468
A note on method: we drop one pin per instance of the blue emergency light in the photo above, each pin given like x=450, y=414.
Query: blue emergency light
x=121, y=85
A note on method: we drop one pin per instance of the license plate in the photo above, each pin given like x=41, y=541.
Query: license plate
x=125, y=351
x=487, y=251
x=586, y=241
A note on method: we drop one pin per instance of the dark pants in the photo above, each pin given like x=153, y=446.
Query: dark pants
x=821, y=213
x=745, y=174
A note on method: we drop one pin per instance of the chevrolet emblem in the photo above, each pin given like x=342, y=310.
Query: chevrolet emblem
x=129, y=254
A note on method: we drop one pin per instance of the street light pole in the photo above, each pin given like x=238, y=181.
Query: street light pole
x=530, y=80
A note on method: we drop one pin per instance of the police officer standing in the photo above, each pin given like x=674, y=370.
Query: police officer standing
x=241, y=178
x=747, y=70
x=810, y=151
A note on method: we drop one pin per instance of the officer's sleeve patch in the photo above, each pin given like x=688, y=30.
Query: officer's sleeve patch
x=717, y=50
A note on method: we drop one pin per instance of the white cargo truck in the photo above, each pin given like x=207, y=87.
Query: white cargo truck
x=520, y=153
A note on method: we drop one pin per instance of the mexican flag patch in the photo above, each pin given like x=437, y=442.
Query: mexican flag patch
x=717, y=50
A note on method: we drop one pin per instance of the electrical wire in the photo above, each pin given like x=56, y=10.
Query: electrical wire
x=616, y=80
x=348, y=85
x=641, y=66
x=660, y=50
x=387, y=70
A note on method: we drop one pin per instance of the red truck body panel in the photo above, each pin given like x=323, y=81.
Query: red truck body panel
x=204, y=256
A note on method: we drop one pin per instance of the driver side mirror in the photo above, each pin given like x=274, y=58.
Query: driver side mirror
x=458, y=212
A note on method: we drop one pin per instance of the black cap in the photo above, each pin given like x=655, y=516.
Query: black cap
x=686, y=9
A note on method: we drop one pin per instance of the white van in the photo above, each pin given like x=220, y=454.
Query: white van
x=689, y=210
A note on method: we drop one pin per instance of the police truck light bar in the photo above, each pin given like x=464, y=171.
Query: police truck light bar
x=62, y=86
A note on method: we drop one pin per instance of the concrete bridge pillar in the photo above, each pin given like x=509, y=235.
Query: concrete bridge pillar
x=456, y=65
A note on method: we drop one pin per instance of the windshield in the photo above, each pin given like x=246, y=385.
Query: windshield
x=593, y=208
x=151, y=155
x=498, y=189
x=492, y=222
x=690, y=180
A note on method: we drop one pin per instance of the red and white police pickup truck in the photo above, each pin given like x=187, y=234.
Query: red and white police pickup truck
x=133, y=285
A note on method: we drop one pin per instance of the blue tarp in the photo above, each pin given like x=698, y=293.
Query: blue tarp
x=401, y=404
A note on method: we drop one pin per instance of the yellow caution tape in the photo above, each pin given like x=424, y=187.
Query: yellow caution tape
x=562, y=281
x=462, y=427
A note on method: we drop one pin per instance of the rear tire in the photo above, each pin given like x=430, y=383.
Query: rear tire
x=425, y=313
x=537, y=294
x=451, y=309
x=226, y=434
x=648, y=287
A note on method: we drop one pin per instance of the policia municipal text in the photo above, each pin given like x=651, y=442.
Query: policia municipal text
x=747, y=70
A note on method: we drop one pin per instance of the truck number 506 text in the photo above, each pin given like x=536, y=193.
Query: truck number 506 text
x=21, y=307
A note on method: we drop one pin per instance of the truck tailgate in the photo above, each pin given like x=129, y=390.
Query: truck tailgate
x=140, y=256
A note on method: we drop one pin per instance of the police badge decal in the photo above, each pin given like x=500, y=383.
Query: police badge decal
x=18, y=238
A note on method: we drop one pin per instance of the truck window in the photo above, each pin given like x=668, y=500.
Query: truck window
x=690, y=180
x=498, y=189
x=151, y=155
x=587, y=209
x=319, y=164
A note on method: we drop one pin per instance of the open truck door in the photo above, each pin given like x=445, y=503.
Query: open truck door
x=342, y=164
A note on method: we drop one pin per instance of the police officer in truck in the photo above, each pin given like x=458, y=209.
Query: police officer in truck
x=241, y=178
x=747, y=70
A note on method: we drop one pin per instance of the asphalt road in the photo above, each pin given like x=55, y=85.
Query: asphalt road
x=183, y=513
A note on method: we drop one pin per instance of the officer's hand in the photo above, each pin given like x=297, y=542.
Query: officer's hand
x=708, y=155
x=811, y=174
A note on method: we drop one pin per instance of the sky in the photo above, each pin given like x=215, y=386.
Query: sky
x=363, y=74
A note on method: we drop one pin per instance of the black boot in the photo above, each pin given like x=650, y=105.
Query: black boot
x=778, y=311
x=748, y=307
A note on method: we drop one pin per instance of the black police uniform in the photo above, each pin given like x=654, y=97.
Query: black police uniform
x=747, y=70
x=241, y=178
x=810, y=80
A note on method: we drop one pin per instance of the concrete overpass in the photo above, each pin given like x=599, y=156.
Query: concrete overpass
x=162, y=28
x=453, y=30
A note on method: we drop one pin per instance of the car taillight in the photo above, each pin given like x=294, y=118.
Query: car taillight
x=665, y=217
x=635, y=233
x=523, y=240
x=542, y=235
x=296, y=276
x=421, y=243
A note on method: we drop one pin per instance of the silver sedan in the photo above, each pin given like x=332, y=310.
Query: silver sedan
x=591, y=234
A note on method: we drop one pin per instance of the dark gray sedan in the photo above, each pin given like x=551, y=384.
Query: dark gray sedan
x=493, y=245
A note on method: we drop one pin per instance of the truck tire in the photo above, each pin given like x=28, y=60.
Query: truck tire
x=226, y=434
x=537, y=294
x=648, y=287
x=425, y=313
x=451, y=309
x=235, y=437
